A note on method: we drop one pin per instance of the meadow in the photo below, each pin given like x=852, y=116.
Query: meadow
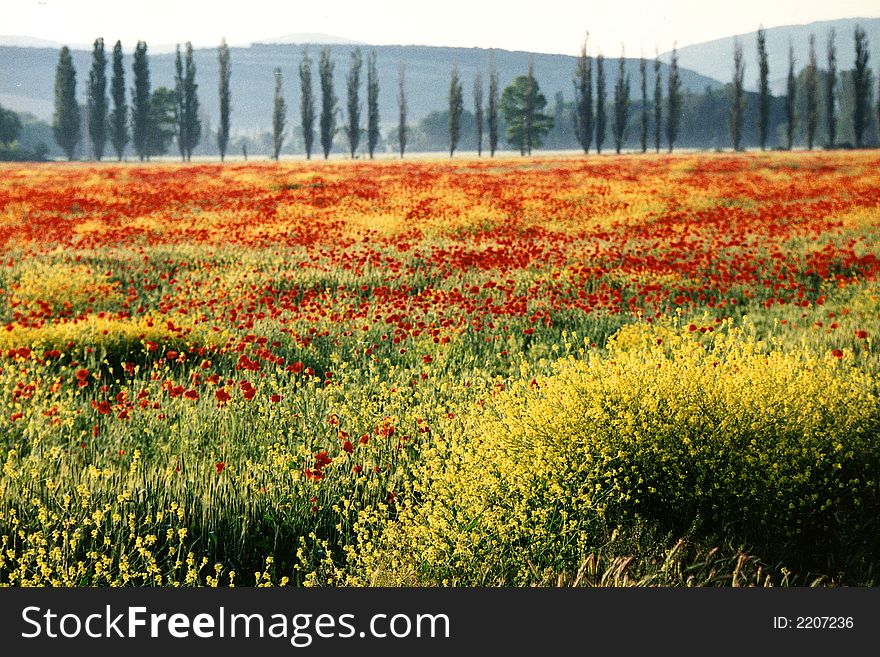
x=638, y=370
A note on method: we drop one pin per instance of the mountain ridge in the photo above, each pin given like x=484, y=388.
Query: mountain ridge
x=27, y=77
x=714, y=58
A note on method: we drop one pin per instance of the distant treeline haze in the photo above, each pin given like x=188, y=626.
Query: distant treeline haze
x=834, y=104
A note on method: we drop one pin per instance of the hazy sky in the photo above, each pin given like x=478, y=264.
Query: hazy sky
x=552, y=26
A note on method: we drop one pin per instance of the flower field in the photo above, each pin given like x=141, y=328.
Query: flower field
x=615, y=370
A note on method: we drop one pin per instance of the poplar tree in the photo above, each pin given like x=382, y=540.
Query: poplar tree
x=328, y=102
x=492, y=108
x=354, y=106
x=790, y=91
x=140, y=93
x=191, y=103
x=531, y=99
x=119, y=114
x=225, y=98
x=643, y=74
x=830, y=89
x=583, y=99
x=65, y=123
x=97, y=99
x=372, y=103
x=279, y=115
x=600, y=102
x=673, y=100
x=763, y=90
x=737, y=100
x=307, y=102
x=861, y=83
x=621, y=103
x=401, y=108
x=456, y=107
x=812, y=91
x=658, y=103
x=478, y=111
x=179, y=95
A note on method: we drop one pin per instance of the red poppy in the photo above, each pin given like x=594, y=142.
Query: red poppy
x=222, y=396
x=837, y=353
x=220, y=465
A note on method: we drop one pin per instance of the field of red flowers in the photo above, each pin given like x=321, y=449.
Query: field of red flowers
x=252, y=371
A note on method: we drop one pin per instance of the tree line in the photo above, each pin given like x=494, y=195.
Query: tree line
x=154, y=118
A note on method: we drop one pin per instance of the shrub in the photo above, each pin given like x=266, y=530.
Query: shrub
x=707, y=432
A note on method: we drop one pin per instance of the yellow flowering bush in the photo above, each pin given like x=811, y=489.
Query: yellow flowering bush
x=711, y=432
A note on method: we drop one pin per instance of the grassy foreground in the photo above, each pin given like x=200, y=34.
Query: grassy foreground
x=599, y=371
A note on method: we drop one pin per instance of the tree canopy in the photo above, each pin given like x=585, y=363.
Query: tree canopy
x=522, y=105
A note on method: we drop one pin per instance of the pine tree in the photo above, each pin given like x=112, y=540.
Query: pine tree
x=737, y=100
x=307, y=102
x=861, y=82
x=583, y=99
x=790, y=91
x=401, y=108
x=478, y=111
x=456, y=107
x=763, y=90
x=643, y=74
x=600, y=102
x=522, y=105
x=812, y=91
x=279, y=116
x=119, y=115
x=225, y=98
x=492, y=109
x=354, y=107
x=621, y=104
x=658, y=102
x=372, y=103
x=831, y=90
x=162, y=121
x=66, y=120
x=97, y=99
x=673, y=100
x=328, y=102
x=140, y=105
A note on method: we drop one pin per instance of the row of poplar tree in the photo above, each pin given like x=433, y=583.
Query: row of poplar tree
x=588, y=122
x=156, y=117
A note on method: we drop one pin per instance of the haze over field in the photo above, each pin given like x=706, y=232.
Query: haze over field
x=554, y=26
x=512, y=33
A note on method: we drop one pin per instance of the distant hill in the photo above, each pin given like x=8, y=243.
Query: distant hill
x=310, y=37
x=714, y=59
x=27, y=77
